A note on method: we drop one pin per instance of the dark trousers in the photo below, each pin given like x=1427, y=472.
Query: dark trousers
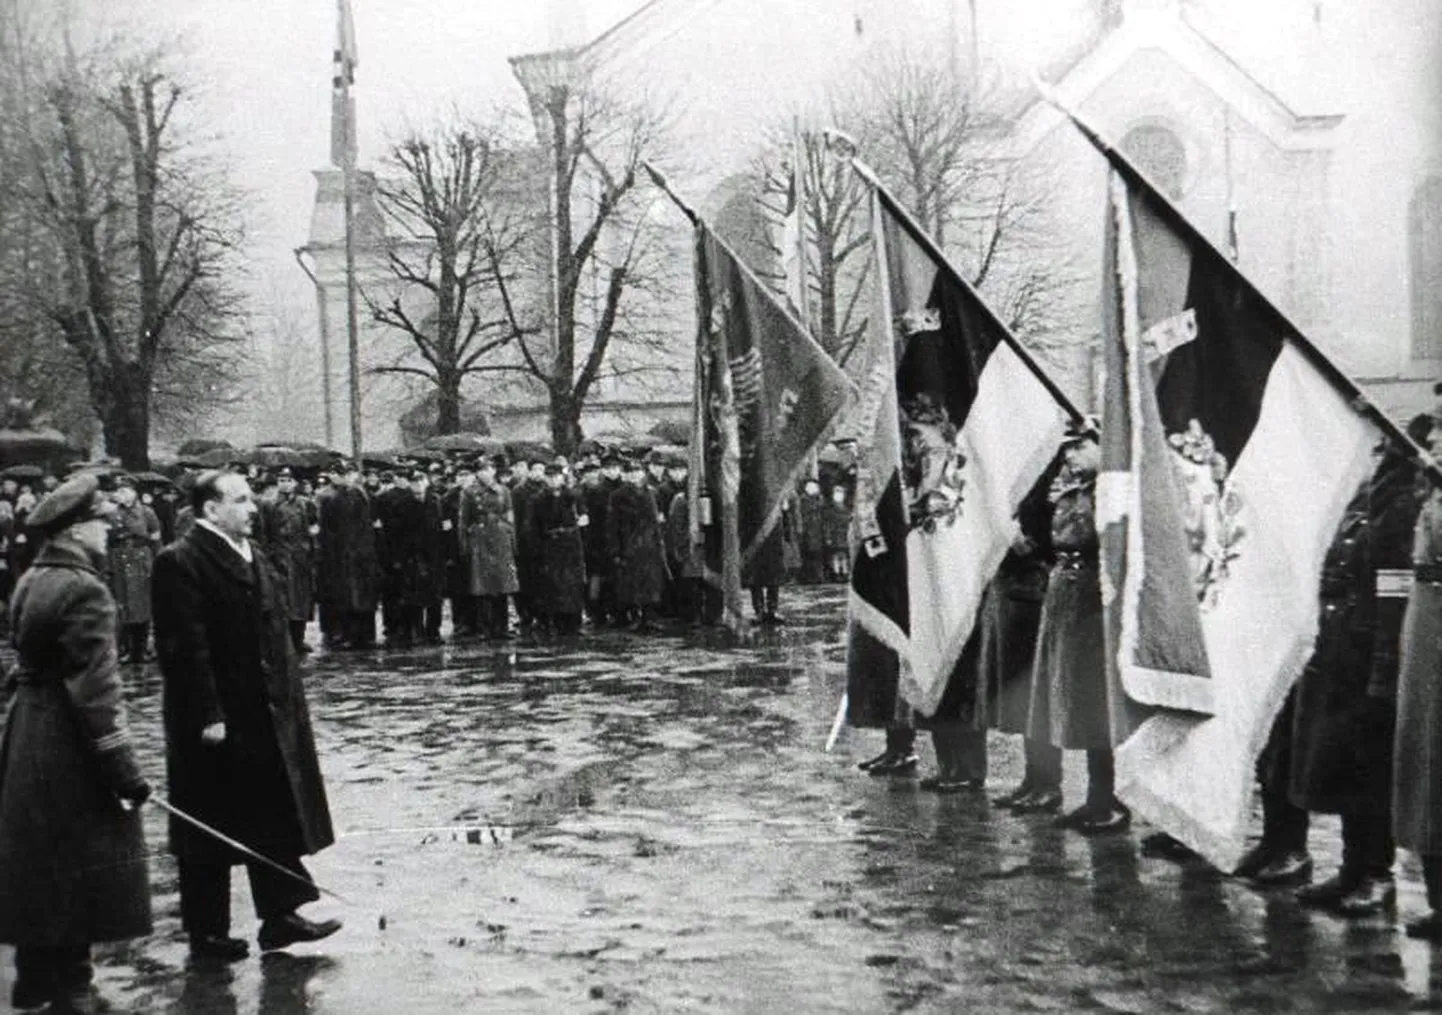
x=50, y=973
x=1432, y=877
x=360, y=628
x=960, y=751
x=764, y=600
x=1043, y=765
x=465, y=614
x=330, y=626
x=1101, y=778
x=495, y=616
x=1368, y=849
x=1284, y=824
x=205, y=894
x=900, y=740
x=431, y=621
x=297, y=634
x=134, y=639
x=686, y=599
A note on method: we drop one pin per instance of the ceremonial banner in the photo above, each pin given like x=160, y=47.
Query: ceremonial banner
x=766, y=393
x=1231, y=471
x=342, y=111
x=960, y=425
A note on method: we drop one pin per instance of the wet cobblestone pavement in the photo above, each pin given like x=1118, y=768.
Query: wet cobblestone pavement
x=673, y=838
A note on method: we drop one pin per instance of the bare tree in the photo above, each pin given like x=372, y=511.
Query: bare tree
x=837, y=243
x=138, y=230
x=461, y=205
x=608, y=259
x=939, y=146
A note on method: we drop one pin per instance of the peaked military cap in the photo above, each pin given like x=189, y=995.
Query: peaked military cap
x=78, y=499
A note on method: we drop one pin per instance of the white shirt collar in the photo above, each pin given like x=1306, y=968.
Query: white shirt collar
x=241, y=548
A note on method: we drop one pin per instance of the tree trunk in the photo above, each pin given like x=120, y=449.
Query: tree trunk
x=448, y=402
x=125, y=418
x=565, y=421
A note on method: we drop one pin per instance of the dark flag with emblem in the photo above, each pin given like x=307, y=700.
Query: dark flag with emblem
x=959, y=424
x=765, y=394
x=1232, y=447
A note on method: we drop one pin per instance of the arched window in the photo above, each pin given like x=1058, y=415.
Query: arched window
x=1157, y=151
x=1424, y=238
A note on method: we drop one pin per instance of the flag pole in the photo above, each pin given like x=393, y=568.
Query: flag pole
x=1179, y=221
x=660, y=181
x=348, y=170
x=919, y=235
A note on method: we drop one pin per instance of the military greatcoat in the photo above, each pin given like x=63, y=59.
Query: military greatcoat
x=290, y=546
x=72, y=861
x=560, y=575
x=134, y=541
x=488, y=540
x=349, y=567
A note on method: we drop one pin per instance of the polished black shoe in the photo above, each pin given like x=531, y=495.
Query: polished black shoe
x=1326, y=894
x=1428, y=928
x=871, y=763
x=897, y=764
x=1371, y=895
x=291, y=929
x=1115, y=818
x=216, y=946
x=1016, y=796
x=1073, y=819
x=1162, y=846
x=1040, y=801
x=1291, y=868
x=1254, y=860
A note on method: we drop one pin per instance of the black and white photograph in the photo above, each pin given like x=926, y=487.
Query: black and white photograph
x=628, y=507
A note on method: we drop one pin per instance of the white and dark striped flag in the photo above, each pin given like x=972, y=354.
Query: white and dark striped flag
x=1230, y=449
x=960, y=424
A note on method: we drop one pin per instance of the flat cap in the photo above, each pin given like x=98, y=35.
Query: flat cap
x=78, y=499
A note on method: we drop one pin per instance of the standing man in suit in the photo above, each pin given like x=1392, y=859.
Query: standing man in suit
x=240, y=754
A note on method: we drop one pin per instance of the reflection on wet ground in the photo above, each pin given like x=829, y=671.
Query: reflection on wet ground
x=614, y=824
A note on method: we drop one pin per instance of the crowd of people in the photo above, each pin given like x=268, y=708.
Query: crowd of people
x=530, y=545
x=1359, y=736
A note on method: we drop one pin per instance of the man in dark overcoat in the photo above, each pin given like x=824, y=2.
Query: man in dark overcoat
x=600, y=573
x=1345, y=711
x=240, y=754
x=524, y=492
x=349, y=569
x=287, y=534
x=393, y=552
x=465, y=608
x=811, y=533
x=560, y=562
x=134, y=541
x=637, y=549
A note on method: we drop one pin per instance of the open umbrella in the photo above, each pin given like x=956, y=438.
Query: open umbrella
x=31, y=446
x=527, y=450
x=463, y=442
x=424, y=454
x=151, y=479
x=626, y=441
x=672, y=431
x=22, y=472
x=198, y=446
x=218, y=458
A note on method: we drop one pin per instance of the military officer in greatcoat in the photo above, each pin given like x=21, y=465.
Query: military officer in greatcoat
x=349, y=569
x=288, y=530
x=488, y=548
x=134, y=542
x=524, y=492
x=600, y=571
x=73, y=866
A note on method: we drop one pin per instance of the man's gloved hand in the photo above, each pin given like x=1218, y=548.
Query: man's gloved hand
x=136, y=792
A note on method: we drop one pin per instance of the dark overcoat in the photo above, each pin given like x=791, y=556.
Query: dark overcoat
x=457, y=580
x=596, y=496
x=1343, y=722
x=633, y=534
x=684, y=560
x=838, y=526
x=72, y=861
x=226, y=656
x=523, y=495
x=488, y=540
x=134, y=540
x=560, y=562
x=285, y=534
x=415, y=559
x=349, y=569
